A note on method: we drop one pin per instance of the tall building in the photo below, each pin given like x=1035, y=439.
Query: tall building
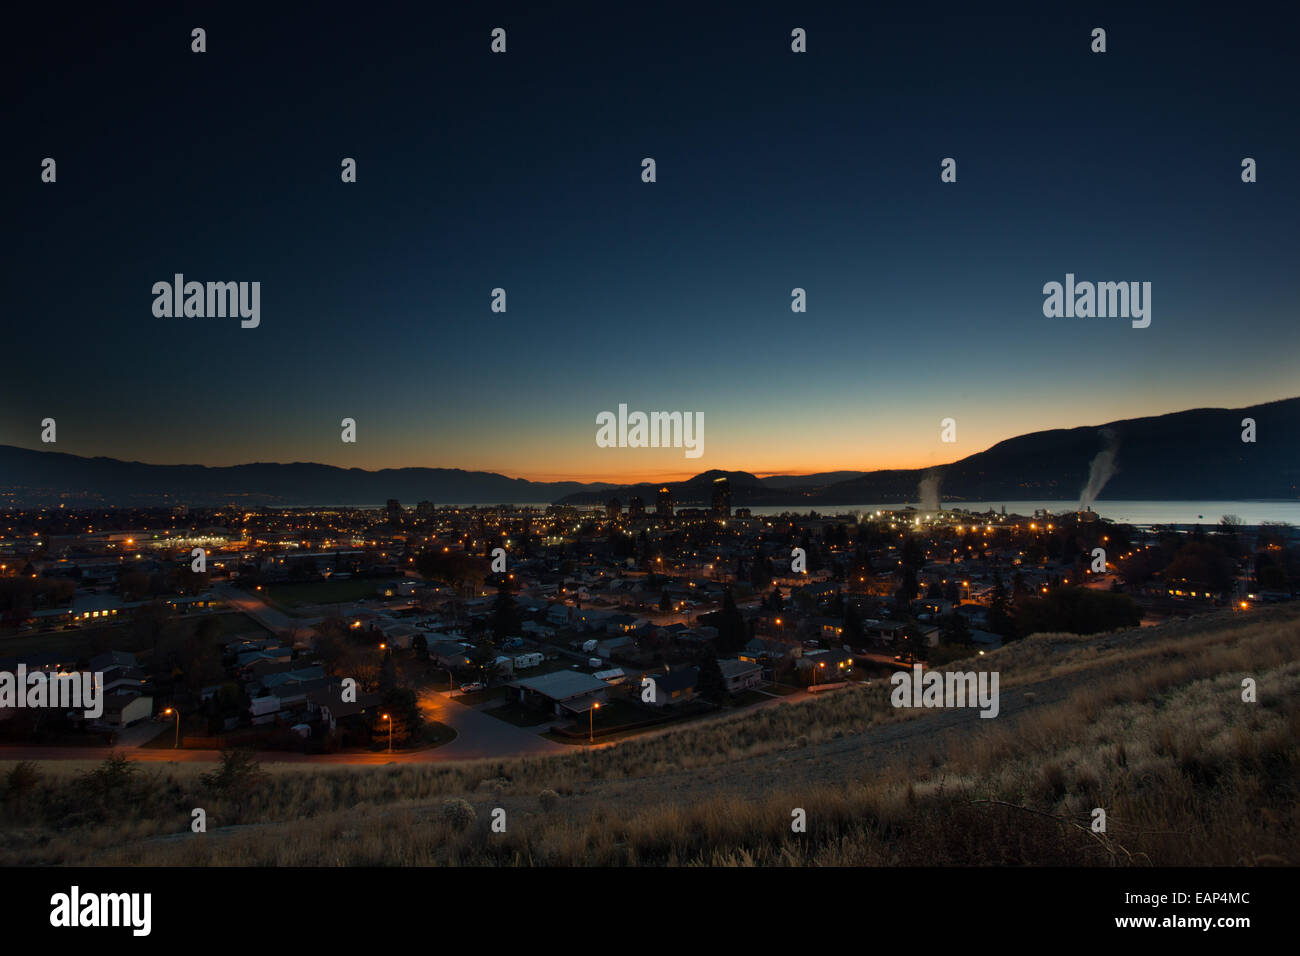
x=614, y=508
x=394, y=511
x=636, y=507
x=721, y=498
x=424, y=510
x=665, y=504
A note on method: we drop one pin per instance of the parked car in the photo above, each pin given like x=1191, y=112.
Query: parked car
x=470, y=688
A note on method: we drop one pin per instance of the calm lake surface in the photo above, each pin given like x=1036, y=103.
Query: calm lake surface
x=1127, y=512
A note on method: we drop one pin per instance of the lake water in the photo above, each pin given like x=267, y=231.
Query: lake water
x=1126, y=512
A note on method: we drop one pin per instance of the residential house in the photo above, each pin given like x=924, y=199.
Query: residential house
x=328, y=705
x=740, y=674
x=561, y=692
x=124, y=710
x=674, y=686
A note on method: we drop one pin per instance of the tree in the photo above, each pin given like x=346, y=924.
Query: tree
x=907, y=588
x=1077, y=611
x=852, y=623
x=403, y=709
x=914, y=644
x=505, y=612
x=953, y=629
x=420, y=646
x=732, y=635
x=1000, y=619
x=710, y=684
x=388, y=673
x=912, y=555
x=237, y=778
x=1200, y=564
x=484, y=657
x=665, y=602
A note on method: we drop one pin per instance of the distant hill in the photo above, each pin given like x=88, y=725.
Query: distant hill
x=42, y=478
x=1196, y=454
x=810, y=481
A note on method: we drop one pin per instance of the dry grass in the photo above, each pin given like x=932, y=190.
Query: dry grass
x=1149, y=725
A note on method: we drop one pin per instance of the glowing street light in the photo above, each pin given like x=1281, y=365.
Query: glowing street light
x=389, y=718
x=591, y=721
x=176, y=711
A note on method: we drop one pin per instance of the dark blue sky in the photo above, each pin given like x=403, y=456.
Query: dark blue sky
x=522, y=171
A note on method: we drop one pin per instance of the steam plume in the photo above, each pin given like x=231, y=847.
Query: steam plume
x=1100, y=471
x=928, y=491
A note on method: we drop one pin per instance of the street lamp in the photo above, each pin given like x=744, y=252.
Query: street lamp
x=591, y=721
x=389, y=718
x=176, y=711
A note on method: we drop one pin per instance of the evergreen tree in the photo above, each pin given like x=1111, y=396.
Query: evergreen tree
x=388, y=673
x=953, y=629
x=852, y=623
x=505, y=612
x=710, y=684
x=1000, y=620
x=732, y=634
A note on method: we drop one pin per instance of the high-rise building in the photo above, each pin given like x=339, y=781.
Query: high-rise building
x=636, y=507
x=394, y=511
x=424, y=510
x=665, y=504
x=614, y=508
x=721, y=498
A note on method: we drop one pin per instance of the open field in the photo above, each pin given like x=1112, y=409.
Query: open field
x=1148, y=724
x=88, y=640
x=290, y=597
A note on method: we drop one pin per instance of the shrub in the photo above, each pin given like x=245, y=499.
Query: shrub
x=458, y=814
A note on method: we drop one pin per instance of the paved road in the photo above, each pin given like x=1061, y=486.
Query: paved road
x=477, y=736
x=262, y=612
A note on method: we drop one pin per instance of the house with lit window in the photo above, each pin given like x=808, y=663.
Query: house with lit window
x=675, y=686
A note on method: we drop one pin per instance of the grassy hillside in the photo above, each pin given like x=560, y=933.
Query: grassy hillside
x=1148, y=724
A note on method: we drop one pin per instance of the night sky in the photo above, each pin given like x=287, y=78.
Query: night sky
x=523, y=171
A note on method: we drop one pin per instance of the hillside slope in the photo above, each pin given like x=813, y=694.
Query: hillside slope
x=1147, y=724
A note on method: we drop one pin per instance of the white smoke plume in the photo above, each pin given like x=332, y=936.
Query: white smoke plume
x=1100, y=471
x=928, y=492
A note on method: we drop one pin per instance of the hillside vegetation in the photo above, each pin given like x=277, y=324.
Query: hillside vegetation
x=1147, y=724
